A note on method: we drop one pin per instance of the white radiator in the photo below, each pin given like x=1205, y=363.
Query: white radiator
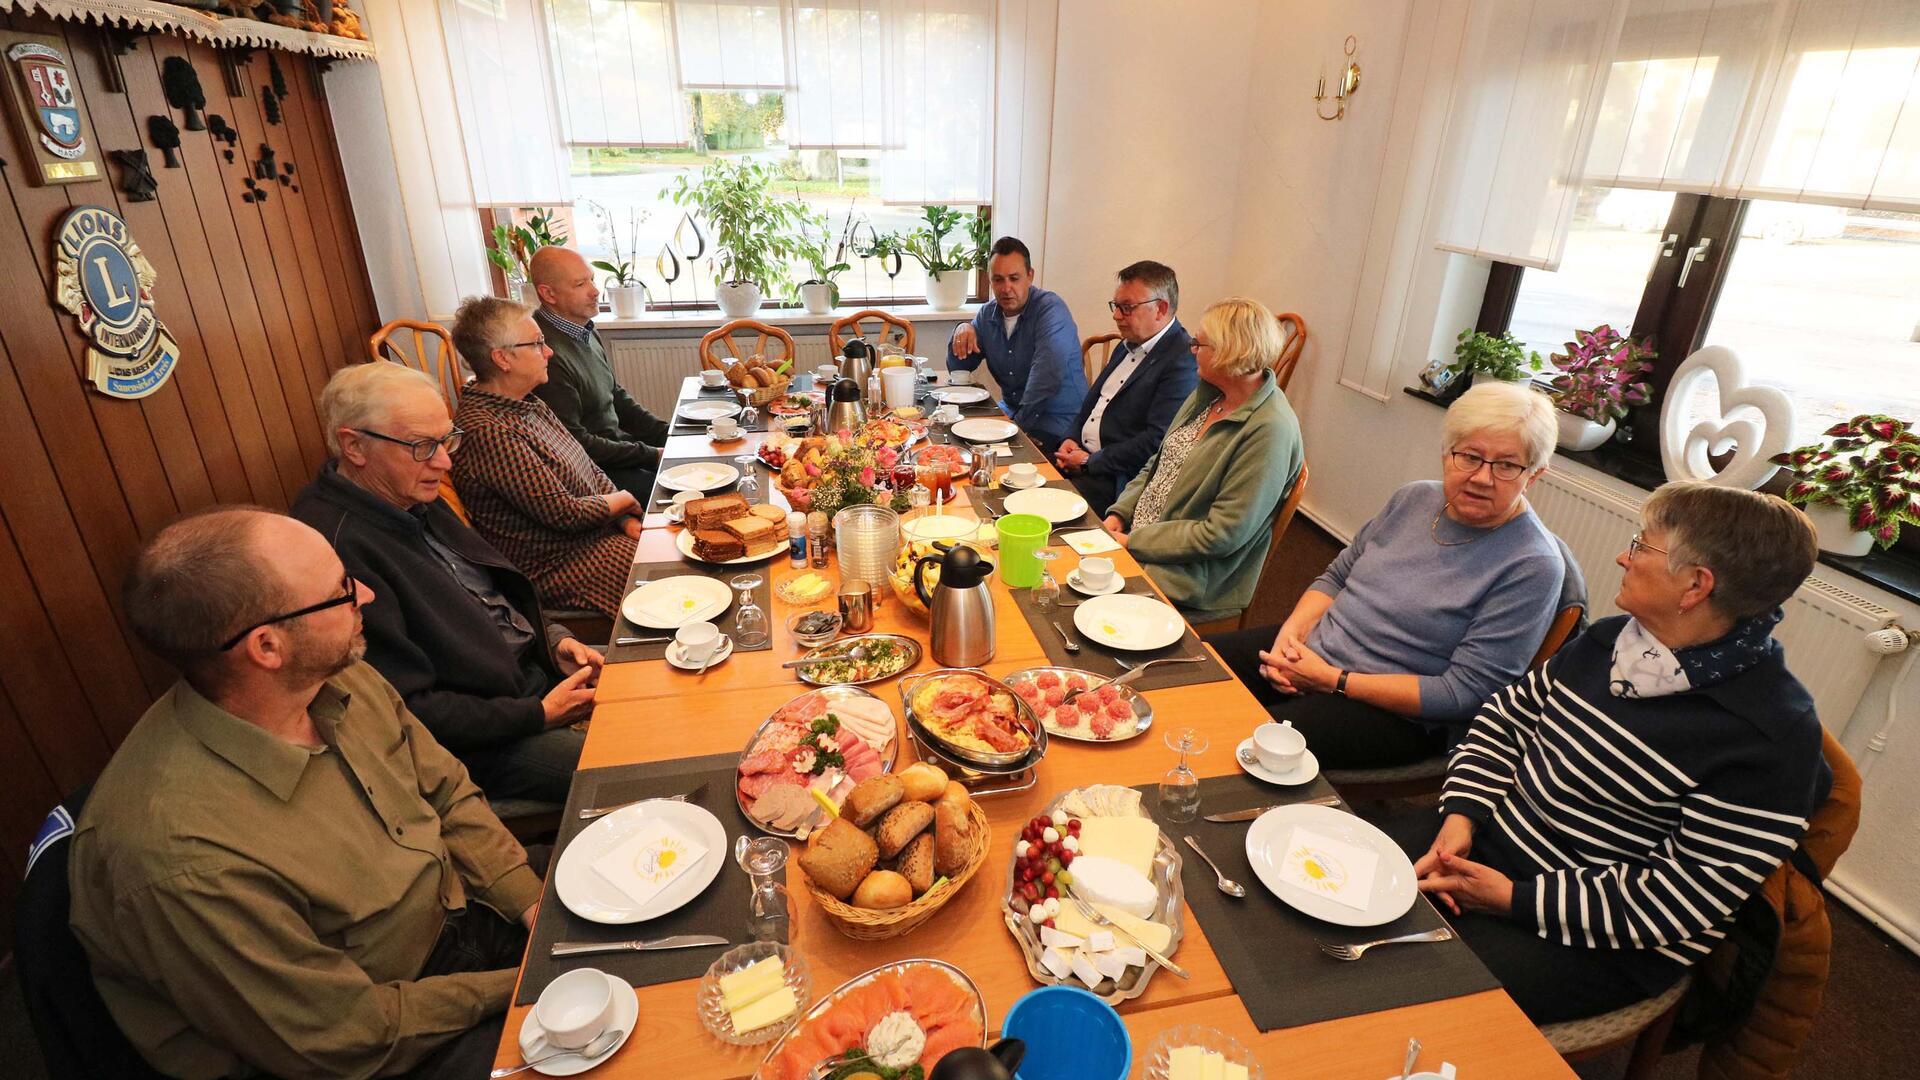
x=1825, y=624
x=652, y=369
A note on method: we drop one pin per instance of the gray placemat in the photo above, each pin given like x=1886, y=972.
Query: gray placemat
x=721, y=909
x=1100, y=660
x=1280, y=974
x=645, y=572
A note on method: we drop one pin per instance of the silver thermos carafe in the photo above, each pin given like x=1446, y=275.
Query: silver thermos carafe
x=959, y=607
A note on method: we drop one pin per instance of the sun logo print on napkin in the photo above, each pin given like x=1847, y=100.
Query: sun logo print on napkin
x=659, y=861
x=1324, y=872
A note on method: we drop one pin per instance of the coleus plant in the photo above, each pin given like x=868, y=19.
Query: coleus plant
x=1869, y=467
x=1602, y=374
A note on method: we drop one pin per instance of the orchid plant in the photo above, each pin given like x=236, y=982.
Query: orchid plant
x=1869, y=467
x=1602, y=374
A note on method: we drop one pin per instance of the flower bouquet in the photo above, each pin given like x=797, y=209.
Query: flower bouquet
x=832, y=472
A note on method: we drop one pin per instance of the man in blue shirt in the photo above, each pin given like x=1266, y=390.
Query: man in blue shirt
x=1028, y=339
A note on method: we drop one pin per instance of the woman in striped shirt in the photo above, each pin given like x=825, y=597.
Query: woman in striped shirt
x=1622, y=802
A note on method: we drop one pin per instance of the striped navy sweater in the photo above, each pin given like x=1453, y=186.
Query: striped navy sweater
x=1629, y=823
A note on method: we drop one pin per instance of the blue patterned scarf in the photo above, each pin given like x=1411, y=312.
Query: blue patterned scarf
x=1644, y=668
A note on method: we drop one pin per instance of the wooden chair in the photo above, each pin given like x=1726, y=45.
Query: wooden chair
x=1643, y=1025
x=1103, y=342
x=452, y=498
x=1295, y=329
x=724, y=337
x=434, y=358
x=892, y=328
x=1281, y=519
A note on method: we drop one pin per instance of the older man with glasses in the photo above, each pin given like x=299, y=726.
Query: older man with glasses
x=458, y=630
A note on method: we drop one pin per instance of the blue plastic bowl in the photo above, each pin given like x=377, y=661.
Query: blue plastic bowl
x=1070, y=1035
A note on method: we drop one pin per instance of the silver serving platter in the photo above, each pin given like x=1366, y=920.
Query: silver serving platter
x=889, y=754
x=1172, y=895
x=837, y=648
x=978, y=760
x=966, y=456
x=826, y=1002
x=1142, y=709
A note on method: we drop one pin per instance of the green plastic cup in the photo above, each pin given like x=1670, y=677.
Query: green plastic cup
x=1020, y=536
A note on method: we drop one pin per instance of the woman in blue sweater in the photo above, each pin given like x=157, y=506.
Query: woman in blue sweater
x=1623, y=801
x=1440, y=600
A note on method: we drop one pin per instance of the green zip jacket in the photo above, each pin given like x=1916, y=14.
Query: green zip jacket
x=1206, y=552
x=614, y=430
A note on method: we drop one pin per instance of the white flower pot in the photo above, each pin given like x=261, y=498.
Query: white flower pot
x=529, y=294
x=1837, y=535
x=947, y=289
x=1580, y=433
x=628, y=300
x=738, y=299
x=817, y=298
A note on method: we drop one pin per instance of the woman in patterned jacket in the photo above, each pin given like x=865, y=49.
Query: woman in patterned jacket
x=529, y=487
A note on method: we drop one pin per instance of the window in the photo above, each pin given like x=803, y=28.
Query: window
x=1610, y=253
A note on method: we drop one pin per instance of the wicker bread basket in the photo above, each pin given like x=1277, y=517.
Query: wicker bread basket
x=762, y=396
x=867, y=924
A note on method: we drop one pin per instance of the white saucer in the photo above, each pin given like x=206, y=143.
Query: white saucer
x=533, y=1037
x=720, y=655
x=1308, y=768
x=1006, y=480
x=1073, y=578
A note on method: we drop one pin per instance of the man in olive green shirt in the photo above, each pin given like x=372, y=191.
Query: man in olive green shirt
x=619, y=434
x=280, y=870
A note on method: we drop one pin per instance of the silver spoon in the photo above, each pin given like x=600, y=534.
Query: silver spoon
x=858, y=652
x=594, y=1049
x=1072, y=645
x=1413, y=1055
x=1227, y=885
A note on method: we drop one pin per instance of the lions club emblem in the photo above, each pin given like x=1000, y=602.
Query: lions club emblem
x=105, y=281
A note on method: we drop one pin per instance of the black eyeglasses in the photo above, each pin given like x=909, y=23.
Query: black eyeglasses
x=540, y=341
x=1119, y=308
x=1638, y=544
x=352, y=596
x=1469, y=462
x=423, y=449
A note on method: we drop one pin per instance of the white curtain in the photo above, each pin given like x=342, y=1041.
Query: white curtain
x=939, y=102
x=840, y=76
x=732, y=44
x=614, y=73
x=496, y=57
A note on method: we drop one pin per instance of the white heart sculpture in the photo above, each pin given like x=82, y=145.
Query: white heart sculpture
x=1764, y=428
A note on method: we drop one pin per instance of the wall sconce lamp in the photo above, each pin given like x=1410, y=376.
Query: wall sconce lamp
x=1348, y=85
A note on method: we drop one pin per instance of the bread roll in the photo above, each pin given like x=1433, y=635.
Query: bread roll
x=916, y=863
x=901, y=825
x=953, y=838
x=925, y=782
x=872, y=797
x=956, y=792
x=736, y=374
x=840, y=859
x=883, y=889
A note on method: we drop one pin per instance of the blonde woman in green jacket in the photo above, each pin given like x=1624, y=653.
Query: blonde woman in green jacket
x=1197, y=517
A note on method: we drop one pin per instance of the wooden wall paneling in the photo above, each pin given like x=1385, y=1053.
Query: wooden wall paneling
x=29, y=793
x=325, y=155
x=229, y=273
x=305, y=201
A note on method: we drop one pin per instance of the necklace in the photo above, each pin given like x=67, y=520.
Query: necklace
x=1433, y=530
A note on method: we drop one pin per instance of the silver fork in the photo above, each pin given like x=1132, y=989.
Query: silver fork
x=1354, y=952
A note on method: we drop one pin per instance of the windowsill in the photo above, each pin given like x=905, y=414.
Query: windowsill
x=1898, y=574
x=708, y=318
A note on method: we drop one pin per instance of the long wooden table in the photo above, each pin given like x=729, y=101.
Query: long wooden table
x=647, y=711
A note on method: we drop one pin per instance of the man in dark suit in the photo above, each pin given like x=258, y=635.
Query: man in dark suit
x=1127, y=411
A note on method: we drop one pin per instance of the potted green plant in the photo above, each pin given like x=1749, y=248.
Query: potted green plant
x=1494, y=356
x=756, y=234
x=513, y=246
x=948, y=269
x=625, y=294
x=1602, y=374
x=1859, y=486
x=820, y=293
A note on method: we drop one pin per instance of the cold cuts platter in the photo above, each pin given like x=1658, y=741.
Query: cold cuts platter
x=825, y=740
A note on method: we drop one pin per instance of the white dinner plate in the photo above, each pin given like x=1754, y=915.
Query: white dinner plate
x=699, y=476
x=670, y=603
x=1054, y=504
x=1127, y=621
x=706, y=411
x=985, y=429
x=959, y=395
x=684, y=541
x=1394, y=888
x=594, y=898
x=939, y=527
x=533, y=1037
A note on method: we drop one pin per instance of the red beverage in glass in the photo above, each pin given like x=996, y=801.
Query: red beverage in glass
x=903, y=475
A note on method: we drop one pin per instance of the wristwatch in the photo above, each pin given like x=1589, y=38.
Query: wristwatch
x=1341, y=686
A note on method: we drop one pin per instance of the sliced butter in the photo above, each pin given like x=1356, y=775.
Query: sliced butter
x=751, y=983
x=771, y=1009
x=1184, y=1063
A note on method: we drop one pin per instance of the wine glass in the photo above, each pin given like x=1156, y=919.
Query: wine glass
x=1180, y=788
x=749, y=621
x=749, y=477
x=769, y=910
x=1046, y=592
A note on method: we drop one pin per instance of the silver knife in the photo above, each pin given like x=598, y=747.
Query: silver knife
x=1249, y=815
x=562, y=949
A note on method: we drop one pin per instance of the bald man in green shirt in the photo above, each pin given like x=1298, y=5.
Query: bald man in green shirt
x=280, y=870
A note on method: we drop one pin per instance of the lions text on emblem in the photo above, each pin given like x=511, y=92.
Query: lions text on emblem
x=108, y=283
x=49, y=86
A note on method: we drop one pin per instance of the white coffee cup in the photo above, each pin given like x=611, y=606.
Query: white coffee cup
x=946, y=414
x=725, y=427
x=826, y=373
x=677, y=506
x=1096, y=573
x=698, y=641
x=1024, y=474
x=1278, y=746
x=575, y=1008
x=959, y=378
x=712, y=377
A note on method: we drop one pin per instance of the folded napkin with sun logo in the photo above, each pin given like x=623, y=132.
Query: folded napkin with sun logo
x=1331, y=868
x=649, y=861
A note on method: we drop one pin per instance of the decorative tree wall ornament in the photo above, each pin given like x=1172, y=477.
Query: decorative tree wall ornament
x=136, y=178
x=222, y=131
x=275, y=76
x=165, y=136
x=263, y=166
x=104, y=280
x=270, y=105
x=182, y=85
x=47, y=108
x=1754, y=424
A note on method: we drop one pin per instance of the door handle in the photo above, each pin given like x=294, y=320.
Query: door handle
x=1695, y=254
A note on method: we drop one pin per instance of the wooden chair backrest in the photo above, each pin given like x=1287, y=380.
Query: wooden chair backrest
x=892, y=328
x=1557, y=634
x=1092, y=366
x=452, y=499
x=434, y=358
x=723, y=336
x=1282, y=518
x=1295, y=330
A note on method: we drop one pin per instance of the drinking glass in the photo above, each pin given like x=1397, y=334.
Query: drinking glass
x=1047, y=592
x=749, y=622
x=749, y=476
x=1180, y=788
x=769, y=913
